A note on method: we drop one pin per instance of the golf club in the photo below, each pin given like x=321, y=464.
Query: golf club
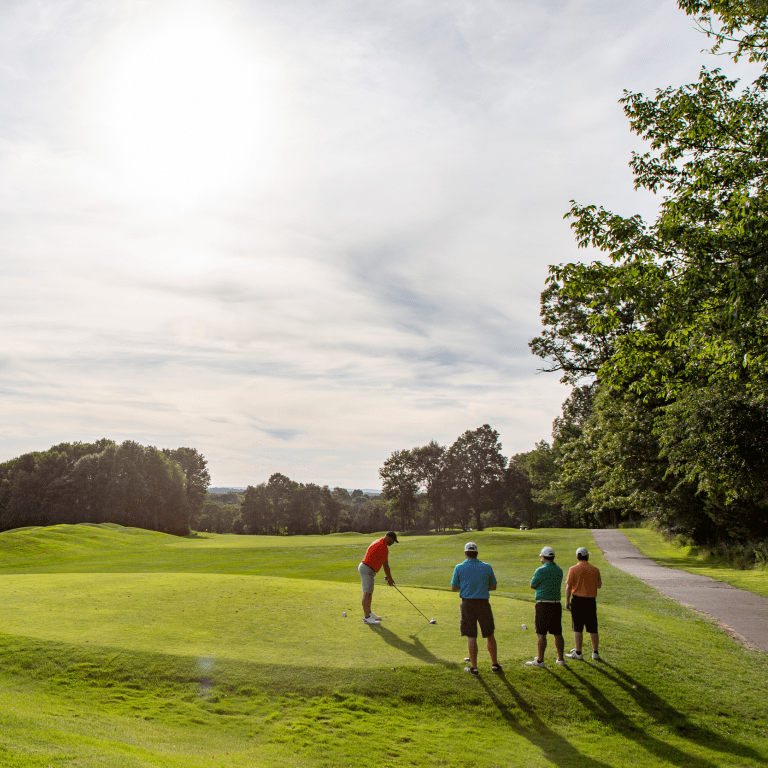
x=431, y=621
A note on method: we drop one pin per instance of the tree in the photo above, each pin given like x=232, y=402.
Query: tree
x=330, y=511
x=279, y=490
x=474, y=465
x=254, y=509
x=429, y=470
x=195, y=468
x=400, y=485
x=673, y=323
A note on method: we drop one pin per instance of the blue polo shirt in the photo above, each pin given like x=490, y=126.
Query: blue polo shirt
x=547, y=580
x=474, y=577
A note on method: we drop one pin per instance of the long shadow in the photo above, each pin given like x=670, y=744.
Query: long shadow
x=555, y=748
x=605, y=711
x=417, y=649
x=665, y=714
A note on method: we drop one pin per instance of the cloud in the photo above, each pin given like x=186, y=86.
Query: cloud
x=281, y=434
x=327, y=244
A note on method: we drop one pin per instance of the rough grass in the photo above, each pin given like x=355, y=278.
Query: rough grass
x=125, y=648
x=665, y=552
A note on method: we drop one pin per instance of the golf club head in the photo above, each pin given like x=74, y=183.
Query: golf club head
x=433, y=621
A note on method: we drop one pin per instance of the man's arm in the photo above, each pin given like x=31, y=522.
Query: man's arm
x=490, y=589
x=455, y=589
x=388, y=575
x=567, y=597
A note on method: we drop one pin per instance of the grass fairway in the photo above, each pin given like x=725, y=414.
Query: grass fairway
x=652, y=544
x=127, y=648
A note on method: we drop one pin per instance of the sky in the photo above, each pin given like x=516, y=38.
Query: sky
x=299, y=235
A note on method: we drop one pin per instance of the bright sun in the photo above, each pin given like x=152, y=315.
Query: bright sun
x=190, y=108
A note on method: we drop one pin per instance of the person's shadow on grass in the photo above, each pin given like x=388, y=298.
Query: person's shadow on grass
x=666, y=715
x=554, y=747
x=417, y=649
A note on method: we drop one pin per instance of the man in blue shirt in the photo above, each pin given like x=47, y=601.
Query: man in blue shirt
x=547, y=581
x=473, y=580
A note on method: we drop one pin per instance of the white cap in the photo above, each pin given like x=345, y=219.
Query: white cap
x=470, y=546
x=582, y=551
x=547, y=552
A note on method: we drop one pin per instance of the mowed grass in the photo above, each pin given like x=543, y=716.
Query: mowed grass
x=121, y=647
x=652, y=544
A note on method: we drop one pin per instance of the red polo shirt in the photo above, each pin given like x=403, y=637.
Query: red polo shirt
x=377, y=555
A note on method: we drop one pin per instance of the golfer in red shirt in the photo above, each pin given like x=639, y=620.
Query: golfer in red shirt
x=376, y=557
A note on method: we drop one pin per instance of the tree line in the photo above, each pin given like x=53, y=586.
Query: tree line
x=428, y=488
x=434, y=486
x=282, y=506
x=102, y=482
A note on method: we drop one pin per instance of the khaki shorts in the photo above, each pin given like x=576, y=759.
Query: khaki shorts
x=367, y=575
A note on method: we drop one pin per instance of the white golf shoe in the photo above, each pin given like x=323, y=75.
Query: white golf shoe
x=370, y=620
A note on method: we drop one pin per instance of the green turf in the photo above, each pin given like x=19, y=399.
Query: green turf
x=652, y=544
x=126, y=648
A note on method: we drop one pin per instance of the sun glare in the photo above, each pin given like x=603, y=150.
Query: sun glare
x=190, y=109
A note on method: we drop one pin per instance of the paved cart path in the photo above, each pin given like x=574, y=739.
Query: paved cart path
x=744, y=614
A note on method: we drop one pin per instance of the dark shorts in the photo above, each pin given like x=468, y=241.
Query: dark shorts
x=549, y=618
x=584, y=612
x=474, y=612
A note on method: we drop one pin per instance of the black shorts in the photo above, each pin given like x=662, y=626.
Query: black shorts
x=549, y=618
x=474, y=611
x=584, y=612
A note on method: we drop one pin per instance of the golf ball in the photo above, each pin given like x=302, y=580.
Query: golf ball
x=524, y=627
x=343, y=613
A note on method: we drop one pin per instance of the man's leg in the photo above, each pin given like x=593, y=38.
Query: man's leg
x=595, y=638
x=367, y=598
x=490, y=644
x=560, y=646
x=541, y=644
x=472, y=648
x=578, y=639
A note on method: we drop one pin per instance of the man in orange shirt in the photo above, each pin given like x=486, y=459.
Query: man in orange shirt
x=376, y=557
x=581, y=600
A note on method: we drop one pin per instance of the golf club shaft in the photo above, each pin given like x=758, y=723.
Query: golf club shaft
x=410, y=602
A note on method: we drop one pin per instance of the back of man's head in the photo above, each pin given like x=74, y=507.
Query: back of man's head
x=582, y=554
x=548, y=554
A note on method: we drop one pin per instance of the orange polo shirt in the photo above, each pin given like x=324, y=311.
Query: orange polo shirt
x=377, y=555
x=584, y=579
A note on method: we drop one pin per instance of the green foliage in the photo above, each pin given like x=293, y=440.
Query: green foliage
x=282, y=506
x=97, y=482
x=195, y=468
x=475, y=468
x=673, y=322
x=458, y=484
x=400, y=484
